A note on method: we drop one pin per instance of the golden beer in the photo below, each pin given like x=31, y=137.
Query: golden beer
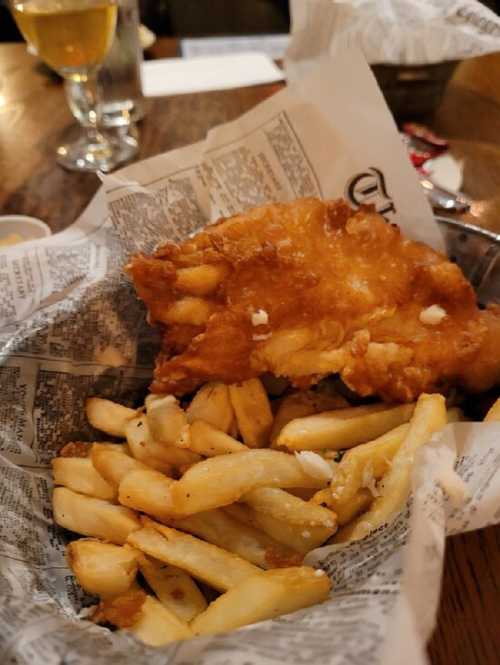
x=72, y=36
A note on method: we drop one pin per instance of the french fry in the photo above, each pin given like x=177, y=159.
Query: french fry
x=271, y=594
x=301, y=404
x=212, y=405
x=253, y=412
x=219, y=528
x=208, y=441
x=148, y=491
x=158, y=625
x=298, y=538
x=209, y=563
x=154, y=454
x=93, y=517
x=200, y=280
x=174, y=588
x=343, y=428
x=101, y=568
x=494, y=413
x=112, y=464
x=167, y=422
x=284, y=506
x=108, y=416
x=365, y=463
x=188, y=311
x=429, y=417
x=347, y=510
x=221, y=480
x=80, y=475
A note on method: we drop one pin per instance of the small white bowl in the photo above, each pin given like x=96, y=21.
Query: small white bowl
x=20, y=228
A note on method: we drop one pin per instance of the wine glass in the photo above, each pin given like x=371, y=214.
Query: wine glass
x=73, y=37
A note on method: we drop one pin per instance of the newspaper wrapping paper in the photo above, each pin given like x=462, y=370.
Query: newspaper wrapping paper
x=398, y=32
x=65, y=303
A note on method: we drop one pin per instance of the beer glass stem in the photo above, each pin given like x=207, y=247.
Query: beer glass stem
x=84, y=101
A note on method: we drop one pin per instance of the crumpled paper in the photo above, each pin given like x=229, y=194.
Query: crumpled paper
x=399, y=32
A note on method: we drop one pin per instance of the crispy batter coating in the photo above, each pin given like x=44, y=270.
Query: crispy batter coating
x=310, y=288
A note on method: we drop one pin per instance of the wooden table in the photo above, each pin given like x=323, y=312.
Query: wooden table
x=33, y=118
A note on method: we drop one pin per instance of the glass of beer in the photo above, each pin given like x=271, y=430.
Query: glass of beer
x=73, y=37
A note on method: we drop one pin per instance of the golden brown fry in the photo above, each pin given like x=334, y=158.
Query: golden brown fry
x=154, y=454
x=288, y=508
x=219, y=528
x=93, y=517
x=123, y=610
x=208, y=441
x=300, y=539
x=147, y=491
x=347, y=511
x=429, y=417
x=303, y=403
x=80, y=475
x=101, y=568
x=253, y=412
x=212, y=405
x=221, y=480
x=156, y=625
x=167, y=422
x=174, y=588
x=364, y=464
x=267, y=596
x=112, y=464
x=206, y=562
x=108, y=416
x=343, y=428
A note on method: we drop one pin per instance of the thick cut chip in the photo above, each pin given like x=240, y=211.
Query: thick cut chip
x=299, y=538
x=167, y=422
x=208, y=441
x=267, y=596
x=343, y=428
x=108, y=416
x=152, y=453
x=157, y=625
x=288, y=508
x=93, y=517
x=253, y=412
x=80, y=475
x=101, y=568
x=364, y=464
x=175, y=589
x=429, y=417
x=147, y=491
x=112, y=464
x=222, y=480
x=202, y=560
x=301, y=404
x=212, y=405
x=219, y=528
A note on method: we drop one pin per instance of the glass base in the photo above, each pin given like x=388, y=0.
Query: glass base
x=104, y=156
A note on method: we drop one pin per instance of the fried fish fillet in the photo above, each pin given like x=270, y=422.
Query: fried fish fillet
x=310, y=288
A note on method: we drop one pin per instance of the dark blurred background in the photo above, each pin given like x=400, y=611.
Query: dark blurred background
x=194, y=17
x=198, y=18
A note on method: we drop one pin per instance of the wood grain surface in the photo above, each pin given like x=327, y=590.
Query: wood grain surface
x=34, y=118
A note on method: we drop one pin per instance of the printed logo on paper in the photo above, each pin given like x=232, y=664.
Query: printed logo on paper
x=368, y=188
